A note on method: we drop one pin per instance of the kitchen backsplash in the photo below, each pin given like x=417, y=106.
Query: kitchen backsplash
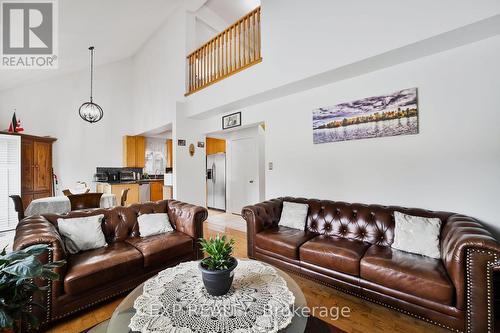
x=116, y=170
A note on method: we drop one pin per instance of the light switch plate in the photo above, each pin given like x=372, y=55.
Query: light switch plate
x=271, y=165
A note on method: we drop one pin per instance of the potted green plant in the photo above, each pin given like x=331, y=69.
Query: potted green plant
x=18, y=270
x=217, y=269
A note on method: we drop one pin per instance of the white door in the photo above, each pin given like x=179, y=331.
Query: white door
x=244, y=174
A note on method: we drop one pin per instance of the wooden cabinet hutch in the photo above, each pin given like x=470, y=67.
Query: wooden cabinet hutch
x=36, y=167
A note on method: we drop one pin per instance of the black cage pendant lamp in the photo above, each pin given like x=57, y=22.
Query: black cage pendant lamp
x=89, y=111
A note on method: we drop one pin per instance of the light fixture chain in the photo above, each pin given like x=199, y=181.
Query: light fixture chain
x=89, y=111
x=91, y=71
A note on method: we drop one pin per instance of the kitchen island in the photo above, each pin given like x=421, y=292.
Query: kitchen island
x=139, y=190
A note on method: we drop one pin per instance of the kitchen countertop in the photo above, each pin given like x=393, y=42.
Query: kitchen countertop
x=142, y=181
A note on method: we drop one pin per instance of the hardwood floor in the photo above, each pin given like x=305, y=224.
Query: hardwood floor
x=365, y=317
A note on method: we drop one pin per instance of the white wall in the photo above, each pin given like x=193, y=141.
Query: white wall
x=159, y=74
x=207, y=25
x=189, y=171
x=452, y=164
x=51, y=108
x=204, y=32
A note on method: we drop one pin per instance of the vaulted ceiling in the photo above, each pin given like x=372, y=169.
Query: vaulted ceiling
x=117, y=29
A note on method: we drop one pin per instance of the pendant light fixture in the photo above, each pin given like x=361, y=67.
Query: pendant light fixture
x=89, y=111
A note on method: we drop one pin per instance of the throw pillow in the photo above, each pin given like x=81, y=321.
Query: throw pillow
x=153, y=224
x=294, y=215
x=82, y=233
x=417, y=234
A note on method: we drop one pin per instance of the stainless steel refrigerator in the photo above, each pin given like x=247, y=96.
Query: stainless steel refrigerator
x=216, y=181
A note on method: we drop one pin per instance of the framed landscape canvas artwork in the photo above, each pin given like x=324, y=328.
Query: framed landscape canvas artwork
x=372, y=117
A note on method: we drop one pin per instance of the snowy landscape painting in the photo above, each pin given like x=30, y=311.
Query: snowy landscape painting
x=372, y=117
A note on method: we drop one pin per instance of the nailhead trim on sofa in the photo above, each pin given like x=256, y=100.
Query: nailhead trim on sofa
x=489, y=287
x=50, y=259
x=93, y=303
x=372, y=300
x=49, y=315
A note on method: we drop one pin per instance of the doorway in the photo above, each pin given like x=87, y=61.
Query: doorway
x=244, y=166
x=244, y=173
x=216, y=173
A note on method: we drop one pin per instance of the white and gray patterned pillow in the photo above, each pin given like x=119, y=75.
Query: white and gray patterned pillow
x=294, y=215
x=154, y=224
x=417, y=234
x=81, y=233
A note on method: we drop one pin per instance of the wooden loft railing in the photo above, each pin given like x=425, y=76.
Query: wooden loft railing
x=234, y=49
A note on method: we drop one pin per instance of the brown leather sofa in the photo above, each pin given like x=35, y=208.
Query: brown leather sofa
x=92, y=276
x=348, y=247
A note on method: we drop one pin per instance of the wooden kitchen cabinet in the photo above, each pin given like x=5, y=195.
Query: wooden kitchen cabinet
x=156, y=190
x=103, y=188
x=214, y=146
x=134, y=151
x=140, y=151
x=116, y=189
x=132, y=196
x=36, y=168
x=170, y=154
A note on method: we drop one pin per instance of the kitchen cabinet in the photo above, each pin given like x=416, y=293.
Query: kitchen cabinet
x=156, y=190
x=134, y=151
x=132, y=195
x=36, y=168
x=103, y=188
x=214, y=146
x=116, y=189
x=170, y=154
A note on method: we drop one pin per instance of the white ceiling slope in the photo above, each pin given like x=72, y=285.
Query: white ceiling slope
x=117, y=29
x=231, y=10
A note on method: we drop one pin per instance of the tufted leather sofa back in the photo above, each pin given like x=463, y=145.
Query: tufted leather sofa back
x=368, y=223
x=119, y=223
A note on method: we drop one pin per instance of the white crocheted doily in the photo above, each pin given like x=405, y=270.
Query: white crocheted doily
x=176, y=301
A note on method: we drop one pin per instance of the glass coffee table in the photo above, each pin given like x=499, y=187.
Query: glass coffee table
x=120, y=320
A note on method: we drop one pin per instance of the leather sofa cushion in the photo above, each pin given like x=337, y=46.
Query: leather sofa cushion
x=161, y=248
x=335, y=253
x=409, y=273
x=283, y=240
x=98, y=267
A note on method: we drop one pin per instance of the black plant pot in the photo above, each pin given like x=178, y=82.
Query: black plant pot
x=218, y=283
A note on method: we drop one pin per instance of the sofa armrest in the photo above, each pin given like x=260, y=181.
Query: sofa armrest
x=38, y=230
x=259, y=217
x=470, y=253
x=188, y=219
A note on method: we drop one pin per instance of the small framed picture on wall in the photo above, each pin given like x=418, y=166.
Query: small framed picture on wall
x=231, y=120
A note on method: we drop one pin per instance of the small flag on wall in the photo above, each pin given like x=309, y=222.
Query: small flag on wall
x=15, y=125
